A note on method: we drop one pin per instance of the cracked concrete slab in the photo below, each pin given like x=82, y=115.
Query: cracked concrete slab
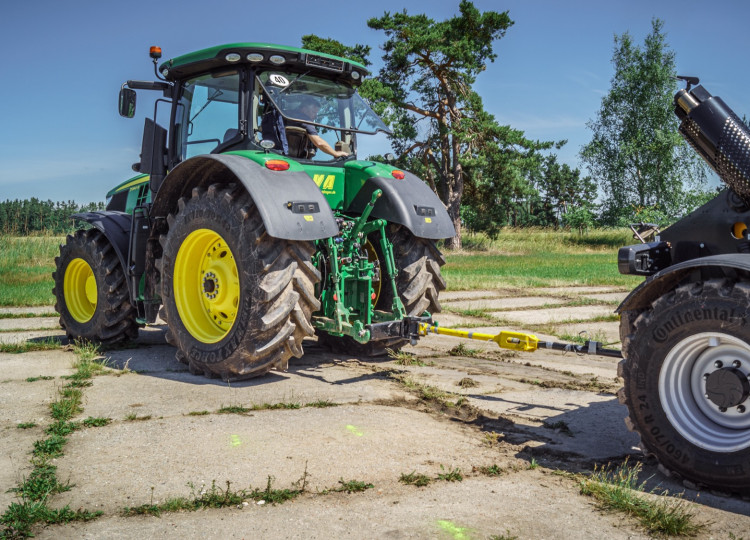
x=20, y=310
x=555, y=315
x=557, y=409
x=31, y=323
x=506, y=303
x=613, y=297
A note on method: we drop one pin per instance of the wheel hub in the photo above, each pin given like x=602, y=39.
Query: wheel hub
x=704, y=389
x=210, y=285
x=207, y=288
x=727, y=387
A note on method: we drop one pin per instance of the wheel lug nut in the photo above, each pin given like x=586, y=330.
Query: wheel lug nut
x=718, y=364
x=737, y=364
x=722, y=409
x=706, y=376
x=740, y=408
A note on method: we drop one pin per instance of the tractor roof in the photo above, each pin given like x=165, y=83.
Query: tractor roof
x=266, y=54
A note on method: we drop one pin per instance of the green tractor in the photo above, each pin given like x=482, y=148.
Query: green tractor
x=252, y=224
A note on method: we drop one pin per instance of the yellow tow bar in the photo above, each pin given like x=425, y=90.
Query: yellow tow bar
x=519, y=341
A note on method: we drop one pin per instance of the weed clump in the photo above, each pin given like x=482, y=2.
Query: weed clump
x=414, y=479
x=618, y=489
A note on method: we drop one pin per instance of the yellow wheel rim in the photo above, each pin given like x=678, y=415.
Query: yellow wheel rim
x=372, y=256
x=206, y=286
x=79, y=289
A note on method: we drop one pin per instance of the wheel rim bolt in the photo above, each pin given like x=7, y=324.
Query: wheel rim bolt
x=722, y=409
x=737, y=364
x=740, y=408
x=706, y=376
x=718, y=364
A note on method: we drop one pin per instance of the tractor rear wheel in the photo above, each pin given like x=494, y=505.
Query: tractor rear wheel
x=686, y=383
x=418, y=280
x=91, y=292
x=237, y=301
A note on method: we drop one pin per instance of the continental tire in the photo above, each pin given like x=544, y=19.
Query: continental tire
x=686, y=383
x=419, y=282
x=238, y=302
x=91, y=293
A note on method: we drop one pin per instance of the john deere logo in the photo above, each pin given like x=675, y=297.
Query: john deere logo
x=325, y=183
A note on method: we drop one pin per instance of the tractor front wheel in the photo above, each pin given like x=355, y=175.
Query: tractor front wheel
x=686, y=383
x=91, y=292
x=238, y=302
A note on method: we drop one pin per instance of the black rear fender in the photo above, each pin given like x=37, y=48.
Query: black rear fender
x=408, y=202
x=308, y=217
x=115, y=226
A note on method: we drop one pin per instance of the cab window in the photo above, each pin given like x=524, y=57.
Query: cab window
x=208, y=113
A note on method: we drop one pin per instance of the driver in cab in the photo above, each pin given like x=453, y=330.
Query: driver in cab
x=308, y=109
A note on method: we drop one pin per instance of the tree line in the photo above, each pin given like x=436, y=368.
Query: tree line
x=29, y=216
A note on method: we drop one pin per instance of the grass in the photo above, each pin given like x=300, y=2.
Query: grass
x=238, y=409
x=491, y=470
x=352, y=486
x=217, y=497
x=133, y=417
x=582, y=338
x=35, y=490
x=467, y=382
x=275, y=406
x=44, y=344
x=463, y=350
x=517, y=258
x=214, y=497
x=96, y=422
x=28, y=315
x=414, y=479
x=539, y=258
x=233, y=409
x=452, y=475
x=617, y=488
x=403, y=358
x=39, y=378
x=321, y=404
x=26, y=269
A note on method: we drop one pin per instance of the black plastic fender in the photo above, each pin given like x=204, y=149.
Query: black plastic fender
x=310, y=218
x=409, y=202
x=115, y=226
x=666, y=280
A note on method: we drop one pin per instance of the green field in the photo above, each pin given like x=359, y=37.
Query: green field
x=517, y=258
x=538, y=258
x=26, y=266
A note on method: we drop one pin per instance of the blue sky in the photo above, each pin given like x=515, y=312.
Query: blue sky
x=64, y=62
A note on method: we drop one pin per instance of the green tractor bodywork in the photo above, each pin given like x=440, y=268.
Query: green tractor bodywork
x=247, y=236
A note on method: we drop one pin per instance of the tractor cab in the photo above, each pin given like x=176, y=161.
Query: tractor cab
x=255, y=96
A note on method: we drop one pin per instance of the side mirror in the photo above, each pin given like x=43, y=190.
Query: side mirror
x=126, y=103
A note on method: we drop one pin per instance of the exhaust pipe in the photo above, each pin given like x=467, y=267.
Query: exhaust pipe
x=717, y=134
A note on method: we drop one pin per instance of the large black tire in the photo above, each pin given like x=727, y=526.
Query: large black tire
x=686, y=383
x=273, y=288
x=418, y=281
x=93, y=303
